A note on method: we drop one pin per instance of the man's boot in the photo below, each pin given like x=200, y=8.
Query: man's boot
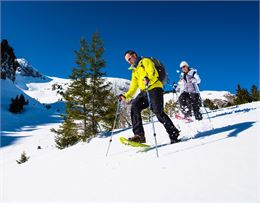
x=137, y=138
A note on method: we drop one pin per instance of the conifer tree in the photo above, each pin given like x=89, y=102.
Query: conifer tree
x=242, y=95
x=101, y=102
x=254, y=93
x=14, y=106
x=67, y=134
x=89, y=101
x=17, y=104
x=76, y=94
x=23, y=158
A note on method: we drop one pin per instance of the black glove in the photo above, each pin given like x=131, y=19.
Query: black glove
x=121, y=97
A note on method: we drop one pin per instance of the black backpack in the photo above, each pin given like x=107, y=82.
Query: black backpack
x=160, y=69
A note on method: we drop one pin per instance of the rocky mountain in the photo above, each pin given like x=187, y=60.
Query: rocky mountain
x=26, y=69
x=47, y=89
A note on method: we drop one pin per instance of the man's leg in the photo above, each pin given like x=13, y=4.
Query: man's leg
x=156, y=96
x=138, y=104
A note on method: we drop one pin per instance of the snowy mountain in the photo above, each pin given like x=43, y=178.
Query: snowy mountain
x=26, y=69
x=218, y=162
x=47, y=89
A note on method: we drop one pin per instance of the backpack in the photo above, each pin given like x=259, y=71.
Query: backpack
x=160, y=69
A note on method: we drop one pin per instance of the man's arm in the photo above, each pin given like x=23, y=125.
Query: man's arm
x=133, y=87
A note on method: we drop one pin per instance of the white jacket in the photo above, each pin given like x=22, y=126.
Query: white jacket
x=188, y=82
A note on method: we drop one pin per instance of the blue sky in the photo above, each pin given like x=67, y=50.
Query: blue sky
x=220, y=39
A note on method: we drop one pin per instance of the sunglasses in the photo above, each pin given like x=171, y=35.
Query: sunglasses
x=129, y=58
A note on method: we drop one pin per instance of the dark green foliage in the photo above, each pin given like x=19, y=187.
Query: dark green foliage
x=101, y=103
x=23, y=158
x=209, y=104
x=67, y=134
x=17, y=104
x=255, y=93
x=242, y=96
x=89, y=101
x=109, y=115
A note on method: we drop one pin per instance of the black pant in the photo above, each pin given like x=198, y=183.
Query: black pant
x=141, y=102
x=189, y=102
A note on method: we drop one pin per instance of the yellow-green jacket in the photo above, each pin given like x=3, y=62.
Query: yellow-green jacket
x=145, y=68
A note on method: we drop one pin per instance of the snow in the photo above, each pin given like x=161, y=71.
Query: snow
x=220, y=163
x=214, y=95
x=41, y=89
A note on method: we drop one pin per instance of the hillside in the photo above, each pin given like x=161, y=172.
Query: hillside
x=216, y=162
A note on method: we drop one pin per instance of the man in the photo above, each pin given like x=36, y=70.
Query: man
x=189, y=98
x=145, y=74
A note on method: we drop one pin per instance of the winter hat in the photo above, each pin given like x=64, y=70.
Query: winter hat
x=184, y=63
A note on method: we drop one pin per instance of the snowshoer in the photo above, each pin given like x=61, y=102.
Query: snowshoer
x=144, y=74
x=189, y=98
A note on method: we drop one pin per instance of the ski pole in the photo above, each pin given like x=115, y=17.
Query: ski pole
x=114, y=125
x=198, y=91
x=177, y=97
x=149, y=101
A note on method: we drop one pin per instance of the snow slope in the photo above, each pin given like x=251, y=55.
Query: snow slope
x=34, y=113
x=219, y=162
x=42, y=88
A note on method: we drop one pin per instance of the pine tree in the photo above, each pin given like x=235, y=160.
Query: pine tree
x=17, y=104
x=109, y=116
x=76, y=94
x=254, y=93
x=89, y=100
x=23, y=158
x=242, y=96
x=14, y=106
x=67, y=134
x=101, y=102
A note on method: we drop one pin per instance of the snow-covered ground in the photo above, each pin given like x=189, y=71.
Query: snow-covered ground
x=219, y=164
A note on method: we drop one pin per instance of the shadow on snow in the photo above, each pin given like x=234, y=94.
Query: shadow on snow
x=27, y=123
x=245, y=110
x=9, y=140
x=235, y=130
x=109, y=133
